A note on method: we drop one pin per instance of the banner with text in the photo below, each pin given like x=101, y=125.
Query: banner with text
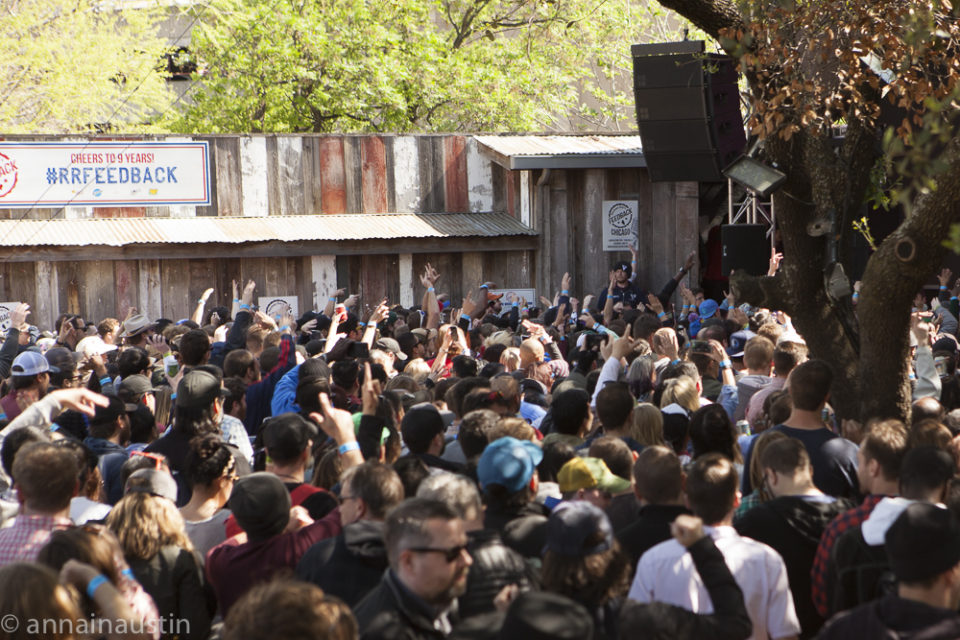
x=620, y=224
x=276, y=306
x=103, y=174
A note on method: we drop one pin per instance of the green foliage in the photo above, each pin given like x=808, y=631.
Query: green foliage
x=416, y=65
x=73, y=65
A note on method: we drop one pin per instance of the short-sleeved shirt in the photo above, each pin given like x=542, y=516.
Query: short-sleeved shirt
x=666, y=573
x=834, y=461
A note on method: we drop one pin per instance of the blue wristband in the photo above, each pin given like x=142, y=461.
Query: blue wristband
x=95, y=584
x=725, y=364
x=429, y=288
x=104, y=381
x=245, y=306
x=662, y=315
x=943, y=288
x=349, y=446
x=128, y=573
x=464, y=316
x=565, y=292
x=332, y=298
x=236, y=300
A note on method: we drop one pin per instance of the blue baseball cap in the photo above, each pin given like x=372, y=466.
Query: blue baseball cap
x=707, y=308
x=737, y=341
x=575, y=522
x=508, y=462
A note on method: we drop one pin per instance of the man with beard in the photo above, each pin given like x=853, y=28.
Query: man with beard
x=427, y=549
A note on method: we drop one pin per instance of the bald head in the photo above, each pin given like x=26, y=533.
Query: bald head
x=531, y=352
x=925, y=408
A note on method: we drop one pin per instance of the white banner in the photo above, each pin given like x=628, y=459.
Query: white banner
x=516, y=295
x=5, y=309
x=274, y=306
x=620, y=224
x=103, y=174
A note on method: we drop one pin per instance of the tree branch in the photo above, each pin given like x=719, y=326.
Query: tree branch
x=710, y=15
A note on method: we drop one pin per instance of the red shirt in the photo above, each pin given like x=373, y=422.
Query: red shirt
x=233, y=567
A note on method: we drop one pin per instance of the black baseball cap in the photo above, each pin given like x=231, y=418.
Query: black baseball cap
x=199, y=388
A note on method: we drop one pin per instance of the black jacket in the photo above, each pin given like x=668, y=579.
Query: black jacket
x=857, y=572
x=793, y=525
x=523, y=529
x=495, y=565
x=391, y=612
x=174, y=579
x=892, y=618
x=651, y=527
x=348, y=566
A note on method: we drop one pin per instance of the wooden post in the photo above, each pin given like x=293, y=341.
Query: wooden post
x=406, y=279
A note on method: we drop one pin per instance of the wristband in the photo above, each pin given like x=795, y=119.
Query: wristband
x=173, y=396
x=285, y=327
x=236, y=300
x=104, y=381
x=245, y=306
x=725, y=364
x=565, y=292
x=429, y=288
x=128, y=573
x=332, y=298
x=201, y=301
x=943, y=288
x=95, y=583
x=912, y=376
x=662, y=315
x=464, y=316
x=677, y=361
x=348, y=446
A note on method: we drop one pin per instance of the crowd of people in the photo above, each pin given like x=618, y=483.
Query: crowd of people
x=610, y=468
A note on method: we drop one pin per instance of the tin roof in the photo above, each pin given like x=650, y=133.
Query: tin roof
x=119, y=232
x=563, y=152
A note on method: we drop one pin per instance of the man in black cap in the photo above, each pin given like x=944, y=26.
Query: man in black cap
x=287, y=441
x=923, y=546
x=261, y=505
x=622, y=290
x=422, y=430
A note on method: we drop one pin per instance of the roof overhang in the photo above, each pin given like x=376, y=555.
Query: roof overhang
x=563, y=151
x=346, y=234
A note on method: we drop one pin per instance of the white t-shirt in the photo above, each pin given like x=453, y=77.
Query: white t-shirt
x=666, y=573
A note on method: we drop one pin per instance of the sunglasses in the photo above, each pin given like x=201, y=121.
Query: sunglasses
x=157, y=460
x=449, y=555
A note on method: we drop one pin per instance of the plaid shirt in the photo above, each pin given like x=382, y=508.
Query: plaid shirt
x=818, y=574
x=23, y=541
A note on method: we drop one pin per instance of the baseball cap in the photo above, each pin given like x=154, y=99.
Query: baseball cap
x=154, y=482
x=30, y=363
x=923, y=542
x=575, y=523
x=707, y=308
x=738, y=340
x=105, y=415
x=199, y=388
x=133, y=387
x=285, y=436
x=589, y=473
x=508, y=462
x=624, y=266
x=261, y=505
x=391, y=345
x=421, y=423
x=94, y=346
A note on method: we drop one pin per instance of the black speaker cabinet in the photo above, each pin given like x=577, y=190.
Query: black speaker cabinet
x=688, y=112
x=745, y=248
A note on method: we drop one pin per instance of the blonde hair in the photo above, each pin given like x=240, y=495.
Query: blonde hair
x=516, y=428
x=682, y=391
x=647, y=425
x=418, y=369
x=144, y=524
x=510, y=358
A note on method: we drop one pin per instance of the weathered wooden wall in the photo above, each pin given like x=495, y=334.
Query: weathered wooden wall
x=567, y=210
x=294, y=175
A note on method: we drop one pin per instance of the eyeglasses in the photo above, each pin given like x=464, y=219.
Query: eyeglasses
x=449, y=555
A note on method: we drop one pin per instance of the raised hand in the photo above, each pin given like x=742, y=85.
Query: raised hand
x=18, y=317
x=775, y=259
x=945, y=277
x=654, y=303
